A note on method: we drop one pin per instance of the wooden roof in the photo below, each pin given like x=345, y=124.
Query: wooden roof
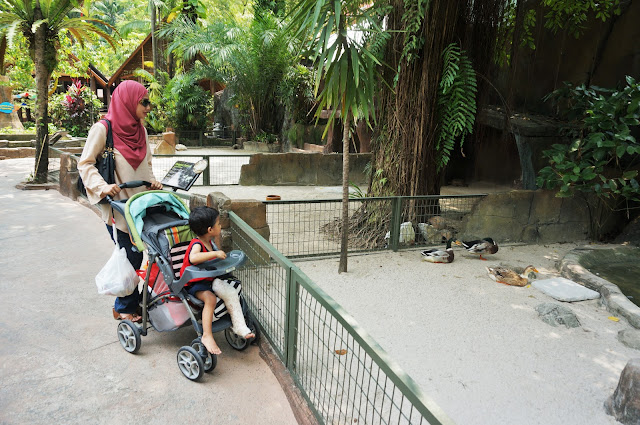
x=143, y=53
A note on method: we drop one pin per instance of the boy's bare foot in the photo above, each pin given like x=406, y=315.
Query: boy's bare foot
x=211, y=345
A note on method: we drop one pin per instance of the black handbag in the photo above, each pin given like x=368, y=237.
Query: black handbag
x=106, y=163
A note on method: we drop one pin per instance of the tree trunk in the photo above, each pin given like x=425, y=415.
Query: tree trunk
x=3, y=51
x=42, y=82
x=154, y=42
x=344, y=229
x=405, y=148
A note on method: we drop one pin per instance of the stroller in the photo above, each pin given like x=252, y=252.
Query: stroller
x=158, y=223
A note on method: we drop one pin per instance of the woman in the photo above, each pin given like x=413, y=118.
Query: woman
x=129, y=106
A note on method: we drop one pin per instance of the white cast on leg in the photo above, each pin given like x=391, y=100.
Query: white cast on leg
x=230, y=297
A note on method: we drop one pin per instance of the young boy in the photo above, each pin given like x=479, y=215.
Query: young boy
x=205, y=223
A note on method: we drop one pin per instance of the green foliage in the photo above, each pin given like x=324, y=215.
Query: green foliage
x=355, y=192
x=344, y=63
x=157, y=118
x=412, y=18
x=19, y=67
x=188, y=105
x=296, y=135
x=603, y=158
x=266, y=137
x=76, y=110
x=571, y=15
x=296, y=93
x=456, y=102
x=252, y=62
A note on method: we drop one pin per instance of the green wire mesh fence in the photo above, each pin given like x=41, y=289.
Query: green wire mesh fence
x=344, y=375
x=312, y=227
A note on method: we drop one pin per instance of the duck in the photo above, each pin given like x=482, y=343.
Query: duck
x=481, y=246
x=437, y=255
x=510, y=277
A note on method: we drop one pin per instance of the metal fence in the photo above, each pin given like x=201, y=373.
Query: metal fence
x=344, y=375
x=312, y=227
x=223, y=169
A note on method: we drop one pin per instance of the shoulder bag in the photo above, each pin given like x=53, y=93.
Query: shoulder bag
x=106, y=163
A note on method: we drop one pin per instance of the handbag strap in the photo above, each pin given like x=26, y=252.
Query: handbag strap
x=109, y=143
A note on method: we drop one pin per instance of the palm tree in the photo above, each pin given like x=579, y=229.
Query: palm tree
x=339, y=32
x=42, y=22
x=109, y=11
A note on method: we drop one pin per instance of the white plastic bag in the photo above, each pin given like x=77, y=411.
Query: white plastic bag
x=118, y=276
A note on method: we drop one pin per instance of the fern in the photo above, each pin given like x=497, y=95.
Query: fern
x=412, y=20
x=456, y=102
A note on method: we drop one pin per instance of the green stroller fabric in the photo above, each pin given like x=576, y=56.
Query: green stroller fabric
x=136, y=210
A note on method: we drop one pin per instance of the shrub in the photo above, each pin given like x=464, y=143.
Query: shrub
x=603, y=158
x=76, y=110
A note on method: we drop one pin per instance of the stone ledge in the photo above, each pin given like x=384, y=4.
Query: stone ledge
x=37, y=186
x=615, y=301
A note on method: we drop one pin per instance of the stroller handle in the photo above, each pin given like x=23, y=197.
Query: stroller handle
x=129, y=185
x=134, y=183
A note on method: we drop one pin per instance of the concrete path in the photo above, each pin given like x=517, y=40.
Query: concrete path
x=60, y=360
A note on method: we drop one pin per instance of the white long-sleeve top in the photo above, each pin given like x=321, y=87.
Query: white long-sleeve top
x=93, y=181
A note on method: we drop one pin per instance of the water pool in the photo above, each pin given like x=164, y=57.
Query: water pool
x=620, y=266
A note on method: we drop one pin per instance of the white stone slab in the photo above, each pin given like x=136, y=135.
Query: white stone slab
x=565, y=290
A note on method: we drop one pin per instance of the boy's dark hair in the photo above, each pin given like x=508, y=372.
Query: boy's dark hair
x=201, y=218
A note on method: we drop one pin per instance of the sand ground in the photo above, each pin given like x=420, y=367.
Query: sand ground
x=476, y=347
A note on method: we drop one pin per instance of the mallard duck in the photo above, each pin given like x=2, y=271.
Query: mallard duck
x=482, y=246
x=510, y=277
x=438, y=255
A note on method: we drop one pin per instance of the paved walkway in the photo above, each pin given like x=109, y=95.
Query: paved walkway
x=60, y=360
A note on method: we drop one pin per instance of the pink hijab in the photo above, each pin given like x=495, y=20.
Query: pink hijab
x=128, y=132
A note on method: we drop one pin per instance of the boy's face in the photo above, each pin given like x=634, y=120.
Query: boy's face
x=216, y=229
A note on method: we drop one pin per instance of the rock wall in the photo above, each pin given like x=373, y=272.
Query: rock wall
x=303, y=169
x=528, y=216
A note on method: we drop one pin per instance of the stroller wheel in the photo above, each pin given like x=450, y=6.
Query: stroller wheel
x=209, y=360
x=129, y=336
x=252, y=324
x=236, y=341
x=190, y=363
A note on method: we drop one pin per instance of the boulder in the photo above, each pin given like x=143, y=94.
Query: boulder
x=630, y=338
x=555, y=314
x=164, y=148
x=624, y=404
x=169, y=137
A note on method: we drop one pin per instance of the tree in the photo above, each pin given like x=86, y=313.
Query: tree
x=416, y=133
x=346, y=68
x=42, y=22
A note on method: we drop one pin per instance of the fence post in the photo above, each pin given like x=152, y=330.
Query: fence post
x=396, y=211
x=206, y=177
x=291, y=333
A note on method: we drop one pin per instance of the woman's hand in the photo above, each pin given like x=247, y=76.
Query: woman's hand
x=111, y=190
x=156, y=185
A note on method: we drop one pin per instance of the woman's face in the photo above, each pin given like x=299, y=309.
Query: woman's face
x=143, y=108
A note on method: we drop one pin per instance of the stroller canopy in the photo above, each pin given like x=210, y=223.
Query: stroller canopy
x=136, y=210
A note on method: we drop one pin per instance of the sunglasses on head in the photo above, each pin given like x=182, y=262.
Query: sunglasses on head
x=145, y=102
